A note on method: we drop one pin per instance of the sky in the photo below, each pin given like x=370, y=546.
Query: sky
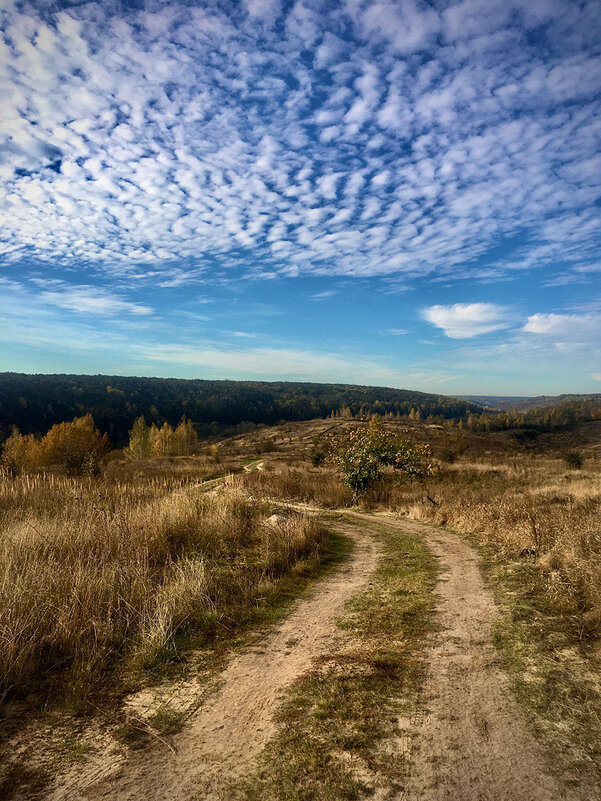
x=393, y=193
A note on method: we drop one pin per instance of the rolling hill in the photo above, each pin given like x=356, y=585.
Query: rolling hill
x=33, y=403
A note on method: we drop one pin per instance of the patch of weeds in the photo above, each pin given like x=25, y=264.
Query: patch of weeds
x=74, y=748
x=339, y=721
x=132, y=734
x=167, y=720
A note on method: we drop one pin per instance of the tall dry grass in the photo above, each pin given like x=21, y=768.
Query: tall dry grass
x=99, y=575
x=517, y=504
x=524, y=507
x=303, y=483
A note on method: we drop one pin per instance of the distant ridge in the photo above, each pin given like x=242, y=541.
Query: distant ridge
x=36, y=402
x=522, y=402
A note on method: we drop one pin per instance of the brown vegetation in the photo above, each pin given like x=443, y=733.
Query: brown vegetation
x=97, y=574
x=543, y=507
x=302, y=483
x=533, y=508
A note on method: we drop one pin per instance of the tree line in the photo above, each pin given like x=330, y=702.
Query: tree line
x=78, y=446
x=543, y=418
x=34, y=403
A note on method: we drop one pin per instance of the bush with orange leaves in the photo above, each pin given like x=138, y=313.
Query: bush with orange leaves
x=78, y=447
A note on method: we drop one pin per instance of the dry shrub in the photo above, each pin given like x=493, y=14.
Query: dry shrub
x=97, y=574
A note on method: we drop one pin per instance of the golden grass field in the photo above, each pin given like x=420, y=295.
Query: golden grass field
x=97, y=575
x=105, y=581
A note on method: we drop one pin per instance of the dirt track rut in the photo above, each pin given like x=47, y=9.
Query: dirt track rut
x=468, y=743
x=226, y=733
x=471, y=742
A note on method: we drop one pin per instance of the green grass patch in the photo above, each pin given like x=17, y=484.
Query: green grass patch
x=339, y=723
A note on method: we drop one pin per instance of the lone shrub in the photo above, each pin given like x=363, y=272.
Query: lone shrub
x=574, y=460
x=362, y=456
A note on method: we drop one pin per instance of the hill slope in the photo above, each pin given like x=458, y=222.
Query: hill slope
x=522, y=403
x=35, y=402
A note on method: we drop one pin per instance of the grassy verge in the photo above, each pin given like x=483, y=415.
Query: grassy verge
x=342, y=731
x=61, y=739
x=552, y=661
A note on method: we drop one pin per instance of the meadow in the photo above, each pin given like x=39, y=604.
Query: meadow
x=109, y=581
x=520, y=503
x=107, y=576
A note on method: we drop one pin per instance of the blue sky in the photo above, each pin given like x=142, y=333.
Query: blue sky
x=395, y=193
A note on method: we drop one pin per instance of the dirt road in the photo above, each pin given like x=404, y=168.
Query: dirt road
x=223, y=737
x=468, y=743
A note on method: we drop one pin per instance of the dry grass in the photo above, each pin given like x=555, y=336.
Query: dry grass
x=102, y=575
x=532, y=507
x=172, y=469
x=303, y=483
x=513, y=502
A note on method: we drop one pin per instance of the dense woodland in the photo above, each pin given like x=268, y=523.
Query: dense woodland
x=539, y=418
x=521, y=403
x=34, y=403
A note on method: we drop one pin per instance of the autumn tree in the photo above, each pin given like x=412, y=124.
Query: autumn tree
x=77, y=446
x=185, y=438
x=139, y=440
x=19, y=452
x=162, y=440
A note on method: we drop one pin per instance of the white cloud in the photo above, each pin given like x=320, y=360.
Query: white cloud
x=278, y=363
x=467, y=320
x=327, y=293
x=571, y=326
x=203, y=136
x=91, y=300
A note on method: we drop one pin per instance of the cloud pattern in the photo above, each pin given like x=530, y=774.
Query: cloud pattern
x=353, y=138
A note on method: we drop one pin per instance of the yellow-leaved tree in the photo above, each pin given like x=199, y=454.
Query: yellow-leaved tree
x=20, y=451
x=145, y=442
x=139, y=441
x=77, y=446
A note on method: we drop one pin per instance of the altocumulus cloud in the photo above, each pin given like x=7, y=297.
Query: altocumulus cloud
x=354, y=138
x=467, y=320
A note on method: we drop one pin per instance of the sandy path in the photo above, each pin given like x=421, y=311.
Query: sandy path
x=470, y=740
x=469, y=743
x=231, y=728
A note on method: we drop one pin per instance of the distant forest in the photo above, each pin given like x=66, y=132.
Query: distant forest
x=34, y=403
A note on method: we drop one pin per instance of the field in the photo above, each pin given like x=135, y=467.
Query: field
x=130, y=600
